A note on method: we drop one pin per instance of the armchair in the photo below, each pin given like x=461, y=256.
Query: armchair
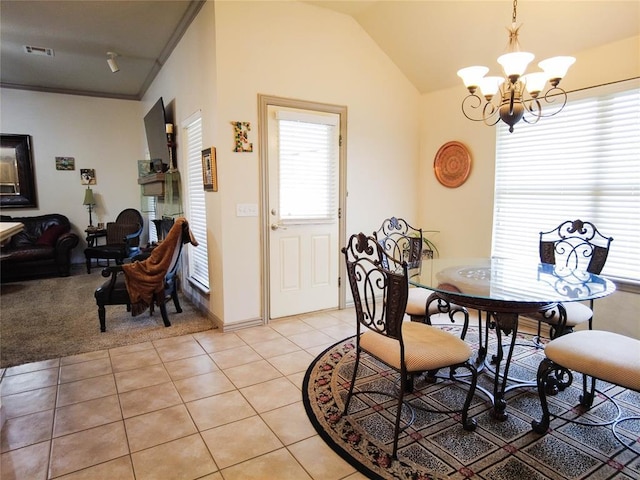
x=123, y=239
x=141, y=284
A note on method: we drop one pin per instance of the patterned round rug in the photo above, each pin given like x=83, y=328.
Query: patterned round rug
x=436, y=446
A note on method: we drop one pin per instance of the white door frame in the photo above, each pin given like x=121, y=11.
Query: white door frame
x=263, y=102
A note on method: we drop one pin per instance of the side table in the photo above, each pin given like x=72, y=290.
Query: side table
x=93, y=234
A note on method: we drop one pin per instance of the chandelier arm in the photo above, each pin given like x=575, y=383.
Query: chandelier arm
x=472, y=103
x=550, y=97
x=532, y=107
x=489, y=111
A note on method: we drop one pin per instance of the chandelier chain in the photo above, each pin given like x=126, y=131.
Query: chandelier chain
x=513, y=16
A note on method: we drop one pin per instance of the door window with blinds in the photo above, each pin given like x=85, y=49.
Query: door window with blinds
x=583, y=163
x=198, y=258
x=308, y=167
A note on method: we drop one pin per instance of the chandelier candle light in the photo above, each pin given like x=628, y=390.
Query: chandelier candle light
x=513, y=104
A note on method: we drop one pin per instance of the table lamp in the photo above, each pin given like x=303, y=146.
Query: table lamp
x=89, y=201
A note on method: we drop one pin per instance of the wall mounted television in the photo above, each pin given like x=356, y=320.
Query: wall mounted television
x=155, y=127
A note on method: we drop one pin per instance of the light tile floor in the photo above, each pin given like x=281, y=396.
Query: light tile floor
x=209, y=405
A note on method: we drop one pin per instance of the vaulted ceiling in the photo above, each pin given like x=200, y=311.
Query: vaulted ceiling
x=428, y=40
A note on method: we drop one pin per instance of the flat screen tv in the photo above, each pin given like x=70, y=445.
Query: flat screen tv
x=154, y=125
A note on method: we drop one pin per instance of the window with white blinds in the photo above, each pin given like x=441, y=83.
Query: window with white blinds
x=307, y=167
x=583, y=163
x=198, y=258
x=148, y=205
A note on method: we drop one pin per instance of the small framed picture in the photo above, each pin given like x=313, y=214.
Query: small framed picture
x=87, y=176
x=65, y=163
x=145, y=167
x=209, y=170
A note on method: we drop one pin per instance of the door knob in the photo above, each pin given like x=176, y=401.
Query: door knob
x=275, y=226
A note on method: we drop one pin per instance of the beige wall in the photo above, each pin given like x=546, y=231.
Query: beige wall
x=292, y=50
x=464, y=215
x=187, y=85
x=97, y=132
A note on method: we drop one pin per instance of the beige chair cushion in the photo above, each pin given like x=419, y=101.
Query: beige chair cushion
x=425, y=347
x=577, y=313
x=417, y=302
x=608, y=356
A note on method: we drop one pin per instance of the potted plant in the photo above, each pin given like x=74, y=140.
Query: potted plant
x=429, y=247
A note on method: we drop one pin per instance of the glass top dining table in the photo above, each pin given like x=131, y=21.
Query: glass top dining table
x=505, y=289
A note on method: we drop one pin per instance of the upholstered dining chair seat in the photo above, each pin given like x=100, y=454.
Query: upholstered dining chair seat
x=577, y=313
x=417, y=303
x=607, y=356
x=425, y=348
x=597, y=354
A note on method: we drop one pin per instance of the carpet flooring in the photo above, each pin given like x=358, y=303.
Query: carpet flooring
x=48, y=318
x=437, y=447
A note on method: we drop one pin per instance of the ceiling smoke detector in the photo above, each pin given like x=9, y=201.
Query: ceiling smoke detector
x=46, y=52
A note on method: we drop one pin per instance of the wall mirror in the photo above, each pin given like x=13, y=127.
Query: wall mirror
x=17, y=180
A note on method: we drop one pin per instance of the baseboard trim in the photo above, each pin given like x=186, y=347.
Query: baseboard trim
x=256, y=322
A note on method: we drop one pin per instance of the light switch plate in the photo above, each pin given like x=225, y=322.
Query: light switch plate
x=247, y=210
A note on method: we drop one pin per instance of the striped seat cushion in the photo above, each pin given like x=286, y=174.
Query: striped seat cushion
x=425, y=347
x=577, y=313
x=608, y=356
x=417, y=302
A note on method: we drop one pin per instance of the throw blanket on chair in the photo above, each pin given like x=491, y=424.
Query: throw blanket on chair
x=145, y=279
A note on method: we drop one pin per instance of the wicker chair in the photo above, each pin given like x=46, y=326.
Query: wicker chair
x=123, y=239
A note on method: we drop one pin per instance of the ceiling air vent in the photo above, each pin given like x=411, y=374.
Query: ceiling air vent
x=47, y=52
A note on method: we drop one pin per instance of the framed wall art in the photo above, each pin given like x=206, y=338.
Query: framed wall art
x=65, y=163
x=87, y=176
x=17, y=179
x=209, y=170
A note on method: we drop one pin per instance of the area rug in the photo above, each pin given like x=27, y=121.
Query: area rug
x=54, y=317
x=437, y=447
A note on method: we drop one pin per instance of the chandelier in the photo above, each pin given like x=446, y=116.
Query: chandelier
x=520, y=95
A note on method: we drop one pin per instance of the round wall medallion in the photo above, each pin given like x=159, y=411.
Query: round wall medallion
x=452, y=164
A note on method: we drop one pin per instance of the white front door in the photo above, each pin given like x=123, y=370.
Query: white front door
x=303, y=210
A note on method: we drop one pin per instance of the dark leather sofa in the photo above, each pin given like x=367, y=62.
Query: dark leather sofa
x=43, y=248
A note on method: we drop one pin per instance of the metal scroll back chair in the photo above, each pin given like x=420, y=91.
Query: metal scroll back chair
x=573, y=244
x=403, y=243
x=122, y=241
x=380, y=297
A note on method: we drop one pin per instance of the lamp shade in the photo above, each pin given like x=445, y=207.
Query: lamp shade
x=490, y=85
x=556, y=67
x=471, y=76
x=535, y=82
x=88, y=197
x=515, y=63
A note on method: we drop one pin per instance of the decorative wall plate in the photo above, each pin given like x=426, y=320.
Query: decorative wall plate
x=452, y=164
